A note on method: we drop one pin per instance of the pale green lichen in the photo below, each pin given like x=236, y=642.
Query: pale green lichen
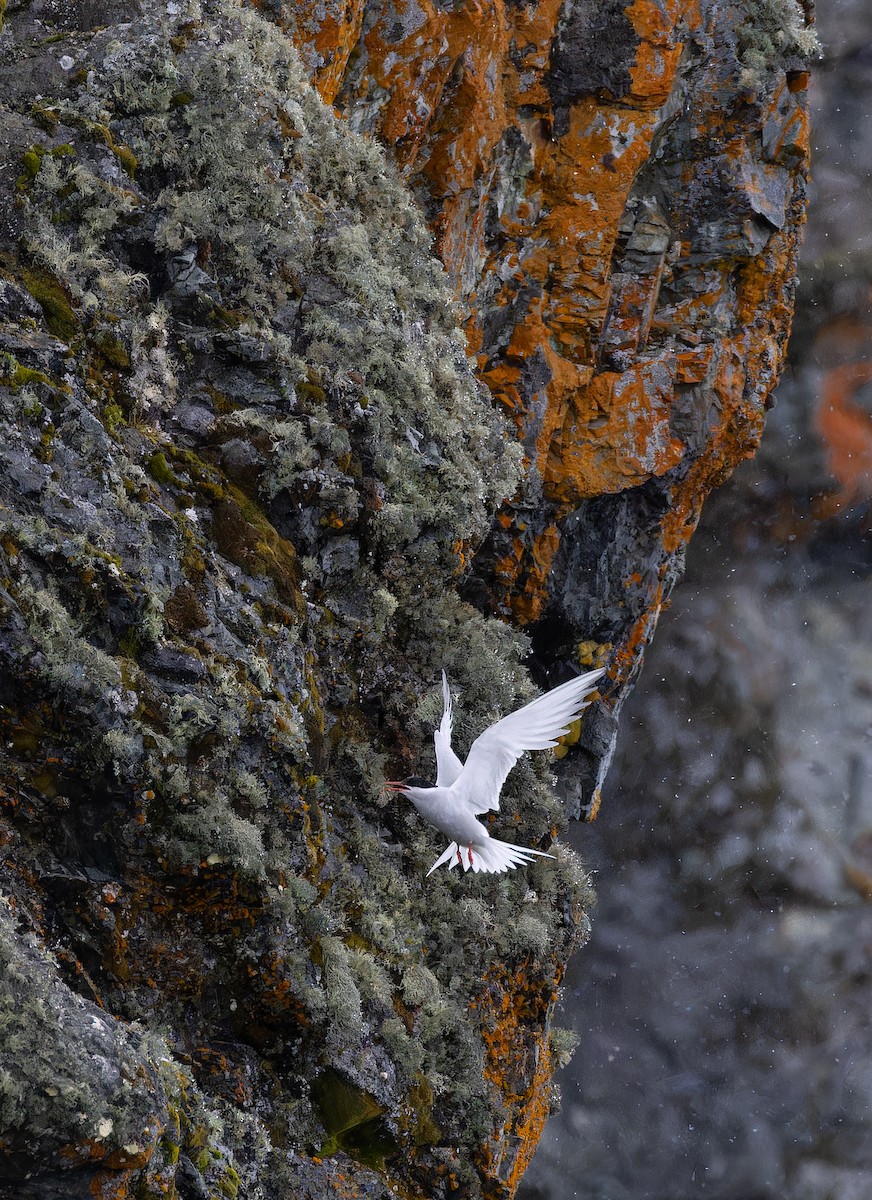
x=373, y=981
x=420, y=987
x=563, y=1043
x=69, y=1075
x=72, y=663
x=343, y=998
x=774, y=33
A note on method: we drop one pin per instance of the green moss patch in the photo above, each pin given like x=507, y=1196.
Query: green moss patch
x=17, y=376
x=353, y=1121
x=53, y=299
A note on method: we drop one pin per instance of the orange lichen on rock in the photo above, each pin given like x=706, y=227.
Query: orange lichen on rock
x=620, y=437
x=515, y=1008
x=327, y=34
x=616, y=192
x=659, y=50
x=558, y=222
x=535, y=135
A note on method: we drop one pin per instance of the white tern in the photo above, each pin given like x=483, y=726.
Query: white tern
x=463, y=790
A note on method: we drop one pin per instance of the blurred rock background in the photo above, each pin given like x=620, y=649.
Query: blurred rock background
x=726, y=1049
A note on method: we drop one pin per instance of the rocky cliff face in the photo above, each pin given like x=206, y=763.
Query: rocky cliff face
x=616, y=192
x=254, y=496
x=732, y=947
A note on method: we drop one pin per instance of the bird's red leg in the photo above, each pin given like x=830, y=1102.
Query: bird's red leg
x=469, y=852
x=459, y=859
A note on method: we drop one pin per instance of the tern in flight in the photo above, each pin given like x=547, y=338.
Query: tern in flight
x=464, y=790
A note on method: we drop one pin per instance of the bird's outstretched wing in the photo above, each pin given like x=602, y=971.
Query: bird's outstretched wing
x=448, y=765
x=536, y=726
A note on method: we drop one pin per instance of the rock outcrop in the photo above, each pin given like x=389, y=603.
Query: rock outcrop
x=616, y=191
x=732, y=945
x=254, y=496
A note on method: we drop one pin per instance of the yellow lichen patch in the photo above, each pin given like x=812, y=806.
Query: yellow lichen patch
x=569, y=739
x=593, y=654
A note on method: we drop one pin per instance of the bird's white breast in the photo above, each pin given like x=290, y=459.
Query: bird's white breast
x=449, y=813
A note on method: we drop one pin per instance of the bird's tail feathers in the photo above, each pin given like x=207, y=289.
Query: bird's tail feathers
x=491, y=856
x=447, y=856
